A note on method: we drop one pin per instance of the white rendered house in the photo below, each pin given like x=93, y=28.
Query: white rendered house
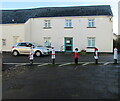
x=65, y=28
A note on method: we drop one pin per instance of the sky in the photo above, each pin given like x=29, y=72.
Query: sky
x=26, y=4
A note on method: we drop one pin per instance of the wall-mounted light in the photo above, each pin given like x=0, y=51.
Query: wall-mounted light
x=111, y=19
x=13, y=20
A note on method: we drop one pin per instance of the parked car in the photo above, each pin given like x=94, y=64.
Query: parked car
x=24, y=48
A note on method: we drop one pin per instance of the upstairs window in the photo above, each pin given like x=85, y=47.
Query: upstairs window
x=68, y=23
x=91, y=42
x=47, y=24
x=91, y=23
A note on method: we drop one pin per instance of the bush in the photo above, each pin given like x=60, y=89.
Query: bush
x=83, y=50
x=116, y=44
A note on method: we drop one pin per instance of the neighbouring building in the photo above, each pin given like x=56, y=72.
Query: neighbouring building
x=115, y=36
x=65, y=28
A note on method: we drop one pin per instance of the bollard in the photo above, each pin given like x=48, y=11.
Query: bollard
x=31, y=55
x=76, y=56
x=115, y=55
x=96, y=55
x=53, y=55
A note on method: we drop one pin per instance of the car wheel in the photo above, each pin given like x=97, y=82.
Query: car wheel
x=15, y=53
x=38, y=53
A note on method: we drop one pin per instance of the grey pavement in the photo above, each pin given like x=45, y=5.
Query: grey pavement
x=60, y=58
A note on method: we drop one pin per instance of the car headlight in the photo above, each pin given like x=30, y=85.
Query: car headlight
x=48, y=50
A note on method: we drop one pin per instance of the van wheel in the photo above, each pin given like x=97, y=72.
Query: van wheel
x=15, y=53
x=38, y=53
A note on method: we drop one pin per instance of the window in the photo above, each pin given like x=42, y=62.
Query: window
x=47, y=24
x=47, y=41
x=91, y=42
x=68, y=23
x=91, y=23
x=29, y=45
x=15, y=39
x=4, y=42
x=22, y=44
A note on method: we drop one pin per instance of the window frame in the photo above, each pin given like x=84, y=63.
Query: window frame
x=48, y=40
x=47, y=24
x=91, y=23
x=68, y=23
x=92, y=42
x=3, y=42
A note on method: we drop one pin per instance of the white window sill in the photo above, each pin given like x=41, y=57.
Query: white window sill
x=68, y=27
x=47, y=27
x=91, y=27
x=90, y=47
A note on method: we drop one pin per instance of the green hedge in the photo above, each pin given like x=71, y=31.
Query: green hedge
x=116, y=43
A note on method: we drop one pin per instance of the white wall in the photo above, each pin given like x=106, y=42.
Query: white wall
x=27, y=31
x=33, y=31
x=10, y=30
x=79, y=32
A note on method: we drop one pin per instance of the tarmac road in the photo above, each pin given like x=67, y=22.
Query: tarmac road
x=62, y=82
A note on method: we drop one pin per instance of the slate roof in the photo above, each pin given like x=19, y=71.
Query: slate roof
x=22, y=15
